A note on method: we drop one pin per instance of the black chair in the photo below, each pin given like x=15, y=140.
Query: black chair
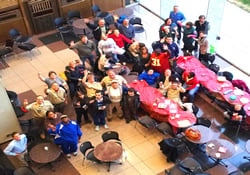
x=73, y=15
x=4, y=52
x=204, y=122
x=147, y=122
x=24, y=171
x=188, y=166
x=98, y=13
x=110, y=135
x=165, y=128
x=195, y=109
x=87, y=149
x=62, y=26
x=138, y=26
x=17, y=37
x=172, y=148
x=27, y=47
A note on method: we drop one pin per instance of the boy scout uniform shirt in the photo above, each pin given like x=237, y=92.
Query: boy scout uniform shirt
x=39, y=110
x=56, y=97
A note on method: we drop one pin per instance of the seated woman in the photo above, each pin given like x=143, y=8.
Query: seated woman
x=191, y=85
x=150, y=77
x=236, y=113
x=119, y=39
x=133, y=51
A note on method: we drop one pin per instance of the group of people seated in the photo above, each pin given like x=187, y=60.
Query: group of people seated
x=97, y=91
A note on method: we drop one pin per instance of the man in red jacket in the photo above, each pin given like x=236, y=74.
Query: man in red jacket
x=191, y=84
x=159, y=61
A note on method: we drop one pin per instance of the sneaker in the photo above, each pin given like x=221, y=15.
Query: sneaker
x=106, y=126
x=75, y=154
x=97, y=128
x=68, y=156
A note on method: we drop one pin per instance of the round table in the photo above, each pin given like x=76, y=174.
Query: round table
x=124, y=11
x=108, y=152
x=213, y=149
x=206, y=134
x=44, y=153
x=79, y=27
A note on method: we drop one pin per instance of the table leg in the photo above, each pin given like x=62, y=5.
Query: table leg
x=219, y=161
x=109, y=164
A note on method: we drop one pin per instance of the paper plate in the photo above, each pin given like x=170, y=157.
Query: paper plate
x=244, y=100
x=237, y=92
x=221, y=78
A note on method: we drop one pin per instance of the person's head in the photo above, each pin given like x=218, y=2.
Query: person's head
x=174, y=85
x=166, y=29
x=50, y=114
x=115, y=84
x=189, y=25
x=55, y=86
x=150, y=71
x=109, y=55
x=78, y=62
x=202, y=34
x=168, y=21
x=191, y=75
x=169, y=40
x=79, y=94
x=91, y=78
x=65, y=119
x=202, y=19
x=84, y=38
x=237, y=107
x=176, y=8
x=72, y=64
x=101, y=22
x=52, y=75
x=144, y=50
x=39, y=99
x=157, y=51
x=98, y=94
x=125, y=22
x=167, y=73
x=131, y=92
x=116, y=32
x=111, y=74
x=16, y=136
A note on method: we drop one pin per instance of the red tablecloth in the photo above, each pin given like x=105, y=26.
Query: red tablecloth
x=161, y=108
x=209, y=79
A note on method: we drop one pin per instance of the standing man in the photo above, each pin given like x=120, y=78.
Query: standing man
x=85, y=49
x=39, y=109
x=178, y=18
x=57, y=97
x=201, y=25
x=17, y=147
x=67, y=135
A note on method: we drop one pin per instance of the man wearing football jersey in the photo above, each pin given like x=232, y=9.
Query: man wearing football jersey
x=159, y=61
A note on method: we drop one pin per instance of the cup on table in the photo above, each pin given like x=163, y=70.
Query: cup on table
x=46, y=148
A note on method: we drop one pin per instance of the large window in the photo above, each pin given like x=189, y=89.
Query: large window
x=227, y=21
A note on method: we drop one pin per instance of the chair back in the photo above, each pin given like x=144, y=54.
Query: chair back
x=85, y=146
x=110, y=135
x=9, y=43
x=147, y=122
x=96, y=9
x=59, y=22
x=135, y=21
x=204, y=122
x=191, y=165
x=90, y=156
x=73, y=14
x=195, y=109
x=14, y=33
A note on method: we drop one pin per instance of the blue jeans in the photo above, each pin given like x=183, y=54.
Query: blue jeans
x=99, y=118
x=90, y=58
x=191, y=93
x=67, y=146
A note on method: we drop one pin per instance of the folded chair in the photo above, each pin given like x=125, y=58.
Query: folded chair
x=87, y=149
x=138, y=26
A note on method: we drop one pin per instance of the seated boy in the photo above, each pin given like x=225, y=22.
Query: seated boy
x=150, y=77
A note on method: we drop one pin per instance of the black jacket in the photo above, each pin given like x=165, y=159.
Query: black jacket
x=97, y=32
x=93, y=107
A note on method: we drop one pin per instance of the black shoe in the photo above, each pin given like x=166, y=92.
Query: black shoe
x=88, y=121
x=109, y=119
x=127, y=121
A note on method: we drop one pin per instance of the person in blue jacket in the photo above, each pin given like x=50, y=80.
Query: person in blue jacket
x=150, y=77
x=67, y=135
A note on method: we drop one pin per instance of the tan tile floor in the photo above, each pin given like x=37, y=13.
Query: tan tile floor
x=141, y=145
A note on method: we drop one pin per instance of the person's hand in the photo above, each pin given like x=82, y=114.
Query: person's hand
x=133, y=40
x=91, y=101
x=116, y=17
x=25, y=102
x=109, y=32
x=72, y=43
x=39, y=73
x=85, y=72
x=86, y=20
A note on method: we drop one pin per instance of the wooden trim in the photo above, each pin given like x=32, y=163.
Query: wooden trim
x=26, y=22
